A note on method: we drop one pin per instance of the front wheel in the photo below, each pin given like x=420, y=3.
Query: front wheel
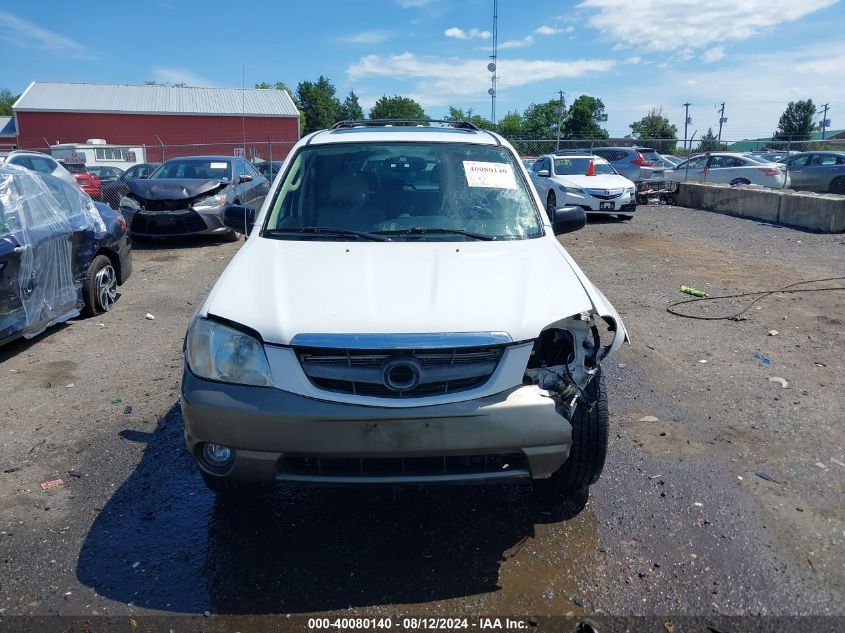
x=551, y=204
x=99, y=289
x=590, y=424
x=740, y=181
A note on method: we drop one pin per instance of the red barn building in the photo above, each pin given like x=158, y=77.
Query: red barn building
x=167, y=120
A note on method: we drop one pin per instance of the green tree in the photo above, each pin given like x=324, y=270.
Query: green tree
x=457, y=114
x=584, y=119
x=397, y=107
x=656, y=126
x=320, y=108
x=7, y=99
x=709, y=143
x=540, y=120
x=510, y=126
x=350, y=109
x=797, y=121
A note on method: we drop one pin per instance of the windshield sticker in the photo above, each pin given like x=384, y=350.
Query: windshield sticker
x=494, y=175
x=219, y=165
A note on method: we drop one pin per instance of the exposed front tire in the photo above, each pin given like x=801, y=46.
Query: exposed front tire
x=99, y=289
x=740, y=181
x=551, y=204
x=231, y=236
x=589, y=444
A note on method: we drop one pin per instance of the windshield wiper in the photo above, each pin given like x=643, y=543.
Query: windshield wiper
x=423, y=230
x=327, y=230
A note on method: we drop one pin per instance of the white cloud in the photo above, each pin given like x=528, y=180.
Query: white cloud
x=443, y=80
x=746, y=85
x=170, y=75
x=525, y=41
x=636, y=59
x=364, y=37
x=550, y=30
x=665, y=25
x=25, y=34
x=460, y=34
x=713, y=55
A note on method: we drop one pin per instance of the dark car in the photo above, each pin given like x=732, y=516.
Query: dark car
x=817, y=171
x=269, y=169
x=105, y=174
x=60, y=253
x=114, y=190
x=187, y=196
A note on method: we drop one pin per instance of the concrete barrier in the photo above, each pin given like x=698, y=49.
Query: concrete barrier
x=815, y=212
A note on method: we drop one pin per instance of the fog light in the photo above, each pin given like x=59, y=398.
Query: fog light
x=216, y=455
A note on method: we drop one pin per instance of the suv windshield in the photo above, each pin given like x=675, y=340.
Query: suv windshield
x=403, y=191
x=580, y=166
x=201, y=168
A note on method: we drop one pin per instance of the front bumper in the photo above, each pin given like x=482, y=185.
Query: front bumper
x=625, y=203
x=271, y=429
x=207, y=221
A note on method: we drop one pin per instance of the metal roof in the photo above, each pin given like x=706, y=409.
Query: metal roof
x=125, y=99
x=7, y=126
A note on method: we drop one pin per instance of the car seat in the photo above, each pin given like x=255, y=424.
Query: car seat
x=349, y=203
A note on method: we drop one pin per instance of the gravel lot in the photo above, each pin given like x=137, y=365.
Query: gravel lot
x=723, y=493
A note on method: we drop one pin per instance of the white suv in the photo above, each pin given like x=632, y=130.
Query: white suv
x=401, y=312
x=36, y=161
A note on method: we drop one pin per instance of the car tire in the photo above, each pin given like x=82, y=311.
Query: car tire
x=590, y=428
x=99, y=289
x=837, y=185
x=740, y=181
x=231, y=236
x=233, y=488
x=551, y=204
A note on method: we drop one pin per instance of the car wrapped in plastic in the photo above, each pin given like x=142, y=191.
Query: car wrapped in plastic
x=60, y=253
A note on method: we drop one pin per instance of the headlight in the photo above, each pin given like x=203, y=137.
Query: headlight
x=218, y=352
x=574, y=190
x=209, y=202
x=631, y=190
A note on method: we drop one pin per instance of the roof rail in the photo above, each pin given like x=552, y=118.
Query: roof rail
x=462, y=125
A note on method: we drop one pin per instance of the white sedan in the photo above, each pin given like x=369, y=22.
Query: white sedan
x=730, y=169
x=583, y=180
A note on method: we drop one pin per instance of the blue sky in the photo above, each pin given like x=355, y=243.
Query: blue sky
x=755, y=55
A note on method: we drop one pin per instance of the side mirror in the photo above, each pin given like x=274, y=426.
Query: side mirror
x=245, y=178
x=568, y=219
x=239, y=218
x=543, y=173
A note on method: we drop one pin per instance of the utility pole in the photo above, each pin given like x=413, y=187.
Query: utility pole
x=722, y=120
x=687, y=121
x=825, y=121
x=494, y=80
x=559, y=117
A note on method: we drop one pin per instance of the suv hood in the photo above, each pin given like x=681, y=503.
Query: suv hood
x=173, y=188
x=599, y=181
x=284, y=288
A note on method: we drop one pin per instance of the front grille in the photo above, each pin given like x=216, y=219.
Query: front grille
x=362, y=372
x=605, y=194
x=167, y=223
x=326, y=466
